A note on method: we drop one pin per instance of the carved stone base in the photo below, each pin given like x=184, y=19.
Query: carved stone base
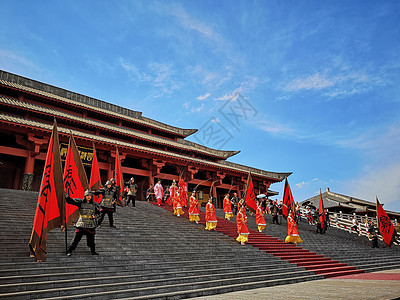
x=27, y=180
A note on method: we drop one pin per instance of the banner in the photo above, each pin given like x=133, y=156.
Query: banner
x=50, y=208
x=385, y=226
x=288, y=201
x=251, y=201
x=119, y=179
x=95, y=179
x=75, y=180
x=321, y=208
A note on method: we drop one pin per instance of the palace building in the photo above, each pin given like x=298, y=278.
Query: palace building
x=149, y=150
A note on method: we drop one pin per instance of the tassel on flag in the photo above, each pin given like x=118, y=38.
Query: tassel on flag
x=385, y=226
x=95, y=179
x=250, y=195
x=50, y=208
x=75, y=180
x=118, y=178
x=288, y=201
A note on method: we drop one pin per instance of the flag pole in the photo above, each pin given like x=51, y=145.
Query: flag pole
x=65, y=228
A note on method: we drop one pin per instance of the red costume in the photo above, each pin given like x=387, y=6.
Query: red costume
x=194, y=209
x=293, y=232
x=227, y=208
x=260, y=220
x=211, y=218
x=183, y=192
x=241, y=223
x=177, y=205
x=172, y=190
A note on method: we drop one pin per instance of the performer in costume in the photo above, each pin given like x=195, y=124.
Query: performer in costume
x=227, y=207
x=194, y=209
x=241, y=223
x=177, y=205
x=211, y=218
x=172, y=190
x=158, y=192
x=107, y=204
x=293, y=232
x=132, y=186
x=235, y=201
x=260, y=220
x=150, y=194
x=86, y=224
x=183, y=192
x=116, y=192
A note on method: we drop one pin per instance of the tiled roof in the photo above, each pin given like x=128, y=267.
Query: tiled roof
x=18, y=121
x=189, y=146
x=46, y=90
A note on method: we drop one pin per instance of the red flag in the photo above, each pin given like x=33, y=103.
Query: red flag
x=50, y=208
x=385, y=226
x=75, y=180
x=250, y=194
x=288, y=201
x=95, y=179
x=322, y=215
x=118, y=178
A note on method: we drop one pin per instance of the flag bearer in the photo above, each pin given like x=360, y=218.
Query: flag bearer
x=86, y=224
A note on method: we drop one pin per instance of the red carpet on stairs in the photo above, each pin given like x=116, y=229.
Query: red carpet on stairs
x=292, y=253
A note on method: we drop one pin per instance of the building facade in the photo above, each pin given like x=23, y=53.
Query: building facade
x=149, y=150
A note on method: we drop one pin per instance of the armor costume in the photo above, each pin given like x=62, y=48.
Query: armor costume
x=132, y=190
x=86, y=224
x=107, y=204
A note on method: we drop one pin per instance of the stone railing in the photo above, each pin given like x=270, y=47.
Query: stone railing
x=345, y=222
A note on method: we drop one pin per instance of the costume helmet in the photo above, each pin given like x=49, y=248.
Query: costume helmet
x=88, y=193
x=108, y=183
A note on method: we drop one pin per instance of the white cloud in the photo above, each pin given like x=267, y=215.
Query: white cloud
x=228, y=97
x=304, y=183
x=12, y=60
x=161, y=76
x=275, y=128
x=382, y=182
x=317, y=81
x=338, y=80
x=203, y=97
x=198, y=109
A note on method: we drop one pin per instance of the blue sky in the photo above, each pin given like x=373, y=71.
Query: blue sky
x=317, y=82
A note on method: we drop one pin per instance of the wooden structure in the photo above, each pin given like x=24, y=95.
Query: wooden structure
x=149, y=149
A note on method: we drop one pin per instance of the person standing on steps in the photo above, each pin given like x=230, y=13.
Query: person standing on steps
x=260, y=220
x=211, y=218
x=86, y=224
x=177, y=205
x=234, y=203
x=116, y=192
x=107, y=204
x=158, y=192
x=355, y=225
x=241, y=223
x=275, y=212
x=132, y=190
x=150, y=194
x=293, y=232
x=227, y=207
x=194, y=208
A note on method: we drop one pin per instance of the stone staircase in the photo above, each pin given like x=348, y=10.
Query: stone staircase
x=336, y=253
x=151, y=255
